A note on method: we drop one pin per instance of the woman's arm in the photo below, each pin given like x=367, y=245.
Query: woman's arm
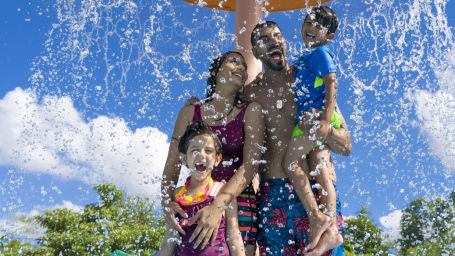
x=233, y=236
x=172, y=170
x=210, y=216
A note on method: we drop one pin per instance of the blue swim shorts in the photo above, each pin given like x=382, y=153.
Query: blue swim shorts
x=283, y=222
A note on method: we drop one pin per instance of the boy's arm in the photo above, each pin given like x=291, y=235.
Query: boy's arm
x=233, y=237
x=330, y=98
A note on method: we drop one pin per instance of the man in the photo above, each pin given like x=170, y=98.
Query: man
x=282, y=223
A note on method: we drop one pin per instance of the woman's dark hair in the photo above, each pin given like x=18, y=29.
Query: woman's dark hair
x=198, y=128
x=326, y=17
x=213, y=72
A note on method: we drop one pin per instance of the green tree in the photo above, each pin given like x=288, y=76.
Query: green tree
x=115, y=222
x=363, y=237
x=428, y=227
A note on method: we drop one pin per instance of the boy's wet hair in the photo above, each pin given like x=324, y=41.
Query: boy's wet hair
x=267, y=23
x=213, y=72
x=198, y=128
x=326, y=17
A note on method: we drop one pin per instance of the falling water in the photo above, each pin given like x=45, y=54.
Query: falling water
x=137, y=62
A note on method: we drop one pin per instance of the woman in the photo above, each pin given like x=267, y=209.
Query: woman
x=240, y=127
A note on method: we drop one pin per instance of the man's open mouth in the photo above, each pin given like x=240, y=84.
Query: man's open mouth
x=276, y=53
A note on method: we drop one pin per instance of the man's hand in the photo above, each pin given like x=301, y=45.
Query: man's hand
x=312, y=126
x=207, y=229
x=172, y=209
x=194, y=101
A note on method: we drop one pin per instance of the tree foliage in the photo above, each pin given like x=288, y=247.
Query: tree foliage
x=114, y=222
x=428, y=227
x=363, y=237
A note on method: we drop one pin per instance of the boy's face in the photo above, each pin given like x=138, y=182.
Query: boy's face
x=313, y=33
x=201, y=157
x=270, y=48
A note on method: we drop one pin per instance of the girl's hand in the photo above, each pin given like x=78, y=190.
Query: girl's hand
x=170, y=216
x=207, y=229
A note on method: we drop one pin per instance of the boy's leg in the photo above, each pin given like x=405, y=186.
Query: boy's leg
x=319, y=164
x=297, y=171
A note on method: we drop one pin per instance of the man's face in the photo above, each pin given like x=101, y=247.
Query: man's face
x=270, y=48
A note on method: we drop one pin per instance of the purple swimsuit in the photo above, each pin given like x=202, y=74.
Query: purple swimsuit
x=232, y=137
x=220, y=246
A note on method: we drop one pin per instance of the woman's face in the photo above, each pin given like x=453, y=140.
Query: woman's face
x=232, y=71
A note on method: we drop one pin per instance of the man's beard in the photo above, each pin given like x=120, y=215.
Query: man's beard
x=276, y=66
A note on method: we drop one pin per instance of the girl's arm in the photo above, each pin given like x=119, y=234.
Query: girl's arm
x=170, y=238
x=233, y=237
x=172, y=170
x=168, y=246
x=210, y=216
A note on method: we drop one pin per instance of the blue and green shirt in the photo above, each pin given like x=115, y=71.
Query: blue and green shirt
x=308, y=71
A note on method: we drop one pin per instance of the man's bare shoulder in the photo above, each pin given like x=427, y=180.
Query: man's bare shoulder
x=251, y=89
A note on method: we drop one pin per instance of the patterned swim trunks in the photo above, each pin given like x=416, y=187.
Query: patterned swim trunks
x=283, y=222
x=247, y=210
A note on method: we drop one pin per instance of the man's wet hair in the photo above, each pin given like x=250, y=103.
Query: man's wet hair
x=198, y=128
x=267, y=23
x=213, y=72
x=326, y=17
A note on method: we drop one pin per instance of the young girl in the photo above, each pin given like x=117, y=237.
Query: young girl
x=200, y=151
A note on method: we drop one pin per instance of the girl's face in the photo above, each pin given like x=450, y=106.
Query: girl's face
x=201, y=157
x=233, y=70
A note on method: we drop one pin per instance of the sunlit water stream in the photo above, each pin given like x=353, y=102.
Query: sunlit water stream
x=112, y=76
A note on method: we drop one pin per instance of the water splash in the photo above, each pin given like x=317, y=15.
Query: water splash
x=140, y=60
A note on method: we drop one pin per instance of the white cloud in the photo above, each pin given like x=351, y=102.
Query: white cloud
x=14, y=226
x=436, y=113
x=391, y=224
x=51, y=137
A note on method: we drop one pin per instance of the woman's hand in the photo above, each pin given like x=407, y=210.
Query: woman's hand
x=207, y=229
x=173, y=208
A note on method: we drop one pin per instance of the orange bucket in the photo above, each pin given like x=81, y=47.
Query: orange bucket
x=270, y=5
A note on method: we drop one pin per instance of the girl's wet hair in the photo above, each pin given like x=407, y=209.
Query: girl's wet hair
x=198, y=128
x=326, y=17
x=213, y=72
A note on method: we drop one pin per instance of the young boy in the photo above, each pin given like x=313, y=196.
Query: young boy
x=316, y=92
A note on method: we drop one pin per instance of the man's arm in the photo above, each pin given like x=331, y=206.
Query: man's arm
x=339, y=140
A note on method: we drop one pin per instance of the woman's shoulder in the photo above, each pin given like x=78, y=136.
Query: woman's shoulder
x=187, y=109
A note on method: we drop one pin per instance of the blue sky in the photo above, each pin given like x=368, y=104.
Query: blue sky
x=90, y=92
